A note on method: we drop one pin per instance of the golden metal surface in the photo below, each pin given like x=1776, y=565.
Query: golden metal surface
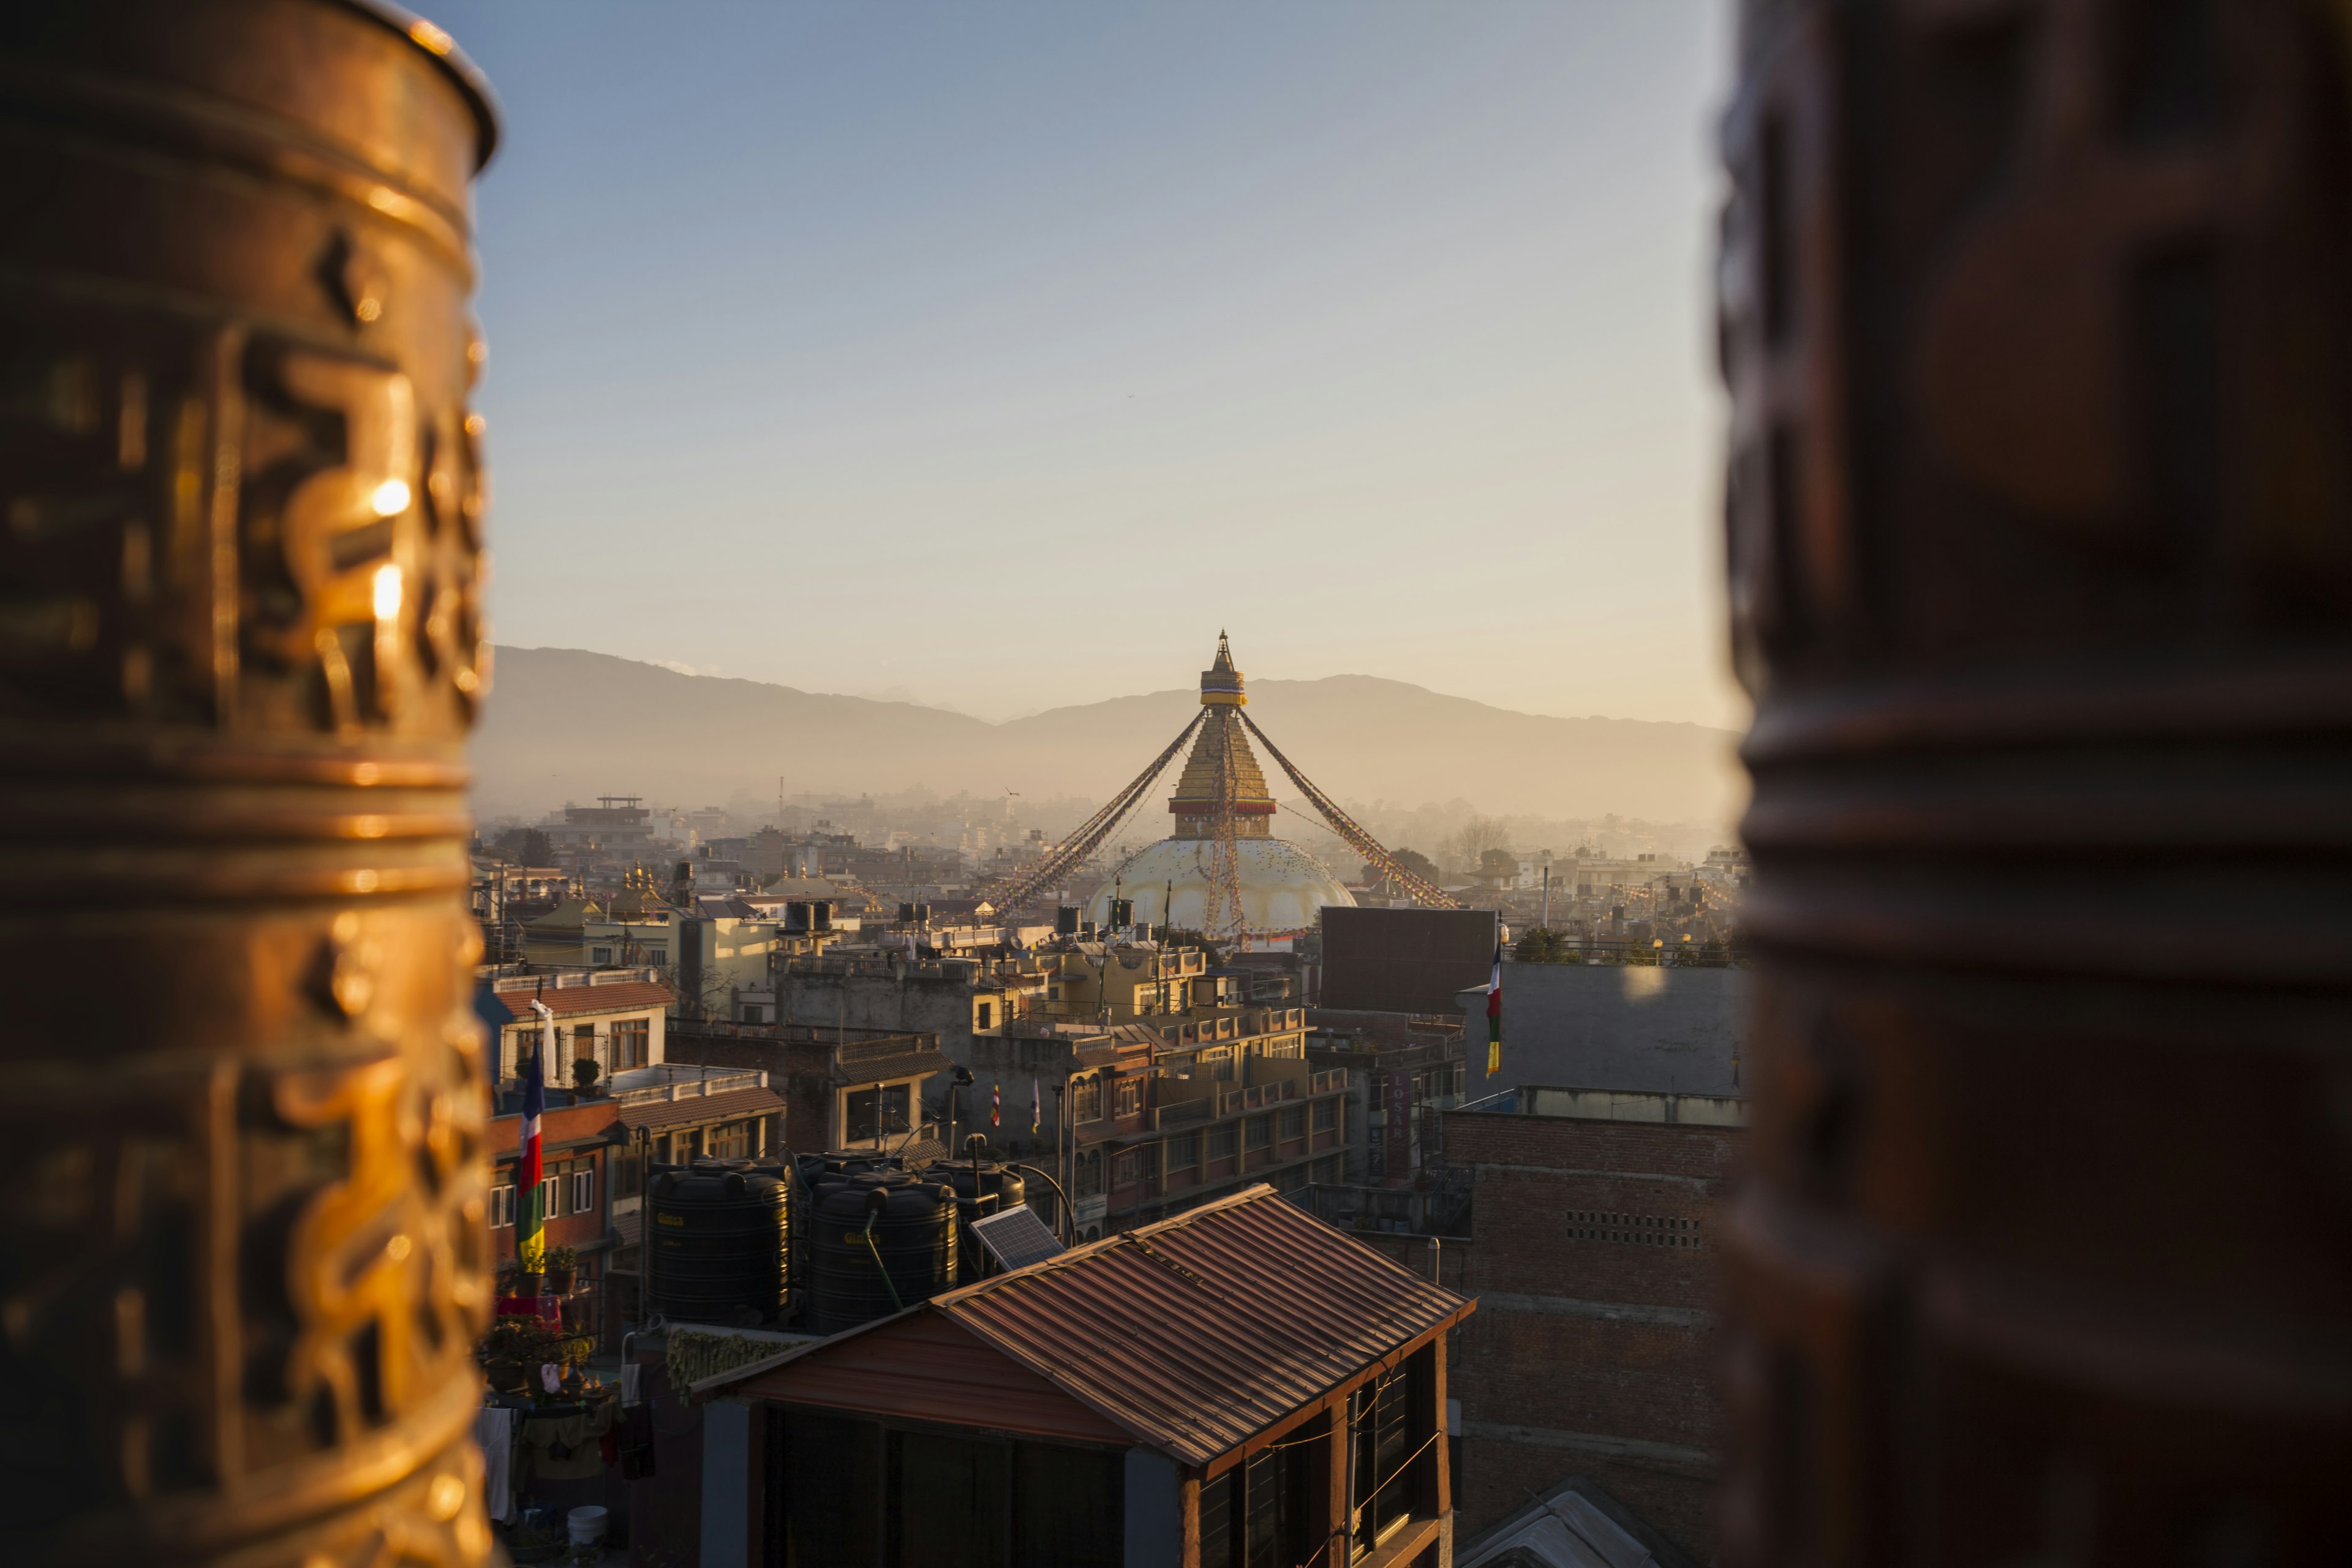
x=241, y=502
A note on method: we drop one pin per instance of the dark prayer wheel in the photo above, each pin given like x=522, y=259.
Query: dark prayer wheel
x=242, y=1234
x=2037, y=319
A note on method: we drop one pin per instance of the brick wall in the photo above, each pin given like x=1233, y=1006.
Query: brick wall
x=1594, y=1257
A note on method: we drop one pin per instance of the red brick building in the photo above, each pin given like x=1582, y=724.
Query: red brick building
x=1595, y=1259
x=592, y=1150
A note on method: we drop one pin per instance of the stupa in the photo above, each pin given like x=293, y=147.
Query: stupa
x=1282, y=887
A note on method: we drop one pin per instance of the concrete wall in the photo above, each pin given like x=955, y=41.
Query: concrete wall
x=1664, y=1030
x=1403, y=960
x=1595, y=1259
x=1015, y=1063
x=920, y=1003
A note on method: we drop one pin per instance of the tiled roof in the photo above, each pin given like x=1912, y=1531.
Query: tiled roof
x=628, y=996
x=1195, y=1334
x=882, y=1069
x=728, y=1107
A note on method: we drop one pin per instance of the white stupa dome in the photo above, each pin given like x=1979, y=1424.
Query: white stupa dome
x=1282, y=885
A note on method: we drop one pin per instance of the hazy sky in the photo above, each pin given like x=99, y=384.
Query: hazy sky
x=996, y=355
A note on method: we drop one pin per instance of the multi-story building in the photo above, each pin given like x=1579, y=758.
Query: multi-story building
x=1403, y=1069
x=1146, y=1119
x=880, y=985
x=844, y=1089
x=1596, y=1218
x=595, y=1146
x=617, y=1018
x=618, y=829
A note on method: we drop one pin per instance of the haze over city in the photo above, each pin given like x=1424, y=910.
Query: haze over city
x=994, y=358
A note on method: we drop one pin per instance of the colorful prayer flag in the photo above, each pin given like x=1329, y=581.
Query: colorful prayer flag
x=1495, y=1015
x=996, y=1105
x=1037, y=1110
x=531, y=1245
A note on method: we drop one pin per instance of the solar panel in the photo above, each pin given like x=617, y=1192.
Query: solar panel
x=1017, y=1238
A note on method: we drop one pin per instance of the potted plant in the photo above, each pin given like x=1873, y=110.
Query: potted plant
x=584, y=1072
x=513, y=1351
x=562, y=1263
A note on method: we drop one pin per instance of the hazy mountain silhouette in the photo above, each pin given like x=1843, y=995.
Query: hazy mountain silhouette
x=563, y=723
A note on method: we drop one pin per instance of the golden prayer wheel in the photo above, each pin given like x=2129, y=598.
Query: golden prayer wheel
x=2037, y=318
x=241, y=1085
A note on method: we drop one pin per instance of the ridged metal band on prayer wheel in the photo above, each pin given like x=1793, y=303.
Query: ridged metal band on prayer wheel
x=241, y=503
x=2037, y=319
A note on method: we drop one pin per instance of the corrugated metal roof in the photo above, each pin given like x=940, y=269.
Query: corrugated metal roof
x=725, y=1107
x=1195, y=1334
x=629, y=995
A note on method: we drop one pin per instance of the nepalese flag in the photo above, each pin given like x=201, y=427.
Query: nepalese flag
x=1495, y=1015
x=530, y=1188
x=996, y=1105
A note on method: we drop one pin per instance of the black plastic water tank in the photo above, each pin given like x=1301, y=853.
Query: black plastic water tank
x=913, y=1238
x=717, y=1238
x=1003, y=1180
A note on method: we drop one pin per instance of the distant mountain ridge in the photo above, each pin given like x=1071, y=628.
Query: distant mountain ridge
x=568, y=724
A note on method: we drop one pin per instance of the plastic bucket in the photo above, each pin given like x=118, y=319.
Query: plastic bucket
x=586, y=1525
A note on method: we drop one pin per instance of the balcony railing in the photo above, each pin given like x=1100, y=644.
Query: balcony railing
x=1256, y=1096
x=700, y=1088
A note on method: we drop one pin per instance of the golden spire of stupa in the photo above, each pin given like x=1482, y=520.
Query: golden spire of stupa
x=1222, y=751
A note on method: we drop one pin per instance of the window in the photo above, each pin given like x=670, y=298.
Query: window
x=1387, y=1419
x=1183, y=1153
x=1326, y=1115
x=984, y=1015
x=1130, y=1096
x=1256, y=1132
x=1634, y=1229
x=551, y=1194
x=1258, y=1514
x=731, y=1140
x=627, y=1178
x=502, y=1206
x=1223, y=1062
x=584, y=1189
x=874, y=1111
x=1221, y=1141
x=583, y=1042
x=632, y=1043
x=754, y=1013
x=1086, y=1103
x=1151, y=1152
x=599, y=955
x=1091, y=1182
x=1126, y=1168
x=1293, y=1121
